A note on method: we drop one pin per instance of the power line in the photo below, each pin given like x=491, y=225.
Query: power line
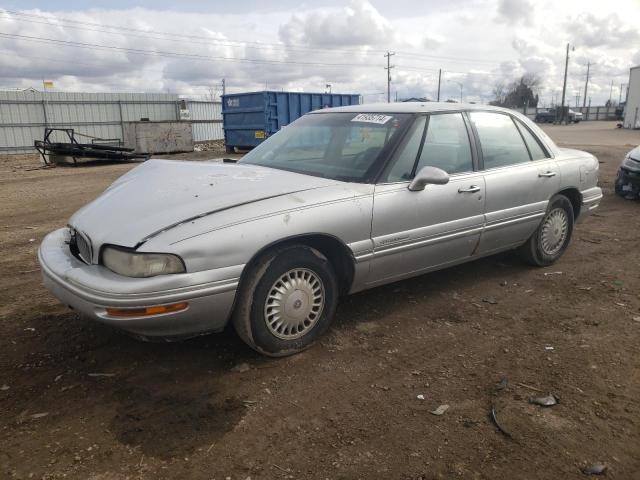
x=161, y=53
x=208, y=40
x=189, y=38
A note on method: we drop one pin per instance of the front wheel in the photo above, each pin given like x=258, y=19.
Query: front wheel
x=551, y=238
x=287, y=301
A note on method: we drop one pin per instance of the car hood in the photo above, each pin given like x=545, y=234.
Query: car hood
x=161, y=194
x=635, y=153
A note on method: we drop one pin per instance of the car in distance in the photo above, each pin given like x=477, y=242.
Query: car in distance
x=549, y=116
x=627, y=182
x=341, y=200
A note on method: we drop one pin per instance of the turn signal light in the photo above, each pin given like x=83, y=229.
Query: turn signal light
x=146, y=311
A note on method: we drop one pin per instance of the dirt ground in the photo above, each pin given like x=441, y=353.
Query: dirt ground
x=81, y=401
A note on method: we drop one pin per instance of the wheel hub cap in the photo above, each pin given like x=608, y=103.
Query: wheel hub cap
x=554, y=231
x=294, y=304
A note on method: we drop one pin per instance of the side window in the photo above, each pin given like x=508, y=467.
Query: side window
x=536, y=151
x=402, y=165
x=501, y=142
x=446, y=145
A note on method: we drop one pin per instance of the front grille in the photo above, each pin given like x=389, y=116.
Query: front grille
x=82, y=246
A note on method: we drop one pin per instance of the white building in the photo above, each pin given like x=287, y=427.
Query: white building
x=632, y=108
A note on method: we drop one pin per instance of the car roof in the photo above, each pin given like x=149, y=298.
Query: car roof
x=410, y=107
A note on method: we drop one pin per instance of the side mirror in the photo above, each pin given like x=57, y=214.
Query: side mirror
x=428, y=175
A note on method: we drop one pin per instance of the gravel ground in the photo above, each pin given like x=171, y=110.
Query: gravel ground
x=81, y=401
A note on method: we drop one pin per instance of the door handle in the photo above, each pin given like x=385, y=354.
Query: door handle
x=471, y=189
x=547, y=174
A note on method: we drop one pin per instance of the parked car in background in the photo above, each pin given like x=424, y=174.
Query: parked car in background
x=628, y=180
x=553, y=115
x=342, y=200
x=575, y=117
x=545, y=116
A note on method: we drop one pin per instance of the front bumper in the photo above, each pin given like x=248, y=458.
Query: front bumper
x=628, y=183
x=91, y=289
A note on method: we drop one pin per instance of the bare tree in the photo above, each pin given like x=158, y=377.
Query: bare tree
x=499, y=92
x=519, y=93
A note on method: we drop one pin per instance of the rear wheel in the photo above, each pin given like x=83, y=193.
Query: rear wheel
x=551, y=238
x=287, y=301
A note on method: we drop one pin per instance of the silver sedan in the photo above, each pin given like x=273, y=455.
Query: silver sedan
x=339, y=201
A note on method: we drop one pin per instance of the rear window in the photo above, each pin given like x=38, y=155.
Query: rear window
x=535, y=149
x=501, y=142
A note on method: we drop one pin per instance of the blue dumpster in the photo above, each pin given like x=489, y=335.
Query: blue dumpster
x=249, y=118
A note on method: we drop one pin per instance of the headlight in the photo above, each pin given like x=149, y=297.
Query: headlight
x=133, y=264
x=631, y=163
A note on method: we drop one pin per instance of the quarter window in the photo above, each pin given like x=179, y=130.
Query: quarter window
x=536, y=151
x=501, y=141
x=446, y=145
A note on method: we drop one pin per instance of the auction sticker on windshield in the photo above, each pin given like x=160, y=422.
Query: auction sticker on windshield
x=372, y=118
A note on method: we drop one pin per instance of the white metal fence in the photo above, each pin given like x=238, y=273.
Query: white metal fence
x=588, y=113
x=25, y=114
x=206, y=120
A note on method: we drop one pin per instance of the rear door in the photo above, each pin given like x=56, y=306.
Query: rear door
x=414, y=232
x=520, y=178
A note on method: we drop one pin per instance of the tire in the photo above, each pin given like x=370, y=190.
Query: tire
x=547, y=244
x=618, y=185
x=309, y=283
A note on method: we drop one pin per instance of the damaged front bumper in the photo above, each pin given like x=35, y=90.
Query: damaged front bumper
x=96, y=292
x=628, y=183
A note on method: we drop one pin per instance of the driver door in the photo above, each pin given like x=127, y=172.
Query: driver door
x=417, y=231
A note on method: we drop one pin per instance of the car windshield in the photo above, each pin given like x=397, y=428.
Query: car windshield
x=339, y=146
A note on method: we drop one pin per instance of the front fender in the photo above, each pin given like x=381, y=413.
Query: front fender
x=235, y=236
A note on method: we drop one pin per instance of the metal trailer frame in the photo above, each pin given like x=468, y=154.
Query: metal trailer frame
x=99, y=148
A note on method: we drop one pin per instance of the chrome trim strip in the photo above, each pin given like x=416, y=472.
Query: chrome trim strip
x=394, y=248
x=363, y=257
x=427, y=241
x=513, y=220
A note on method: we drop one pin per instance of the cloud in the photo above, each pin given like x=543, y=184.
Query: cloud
x=359, y=24
x=432, y=40
x=608, y=31
x=341, y=45
x=516, y=11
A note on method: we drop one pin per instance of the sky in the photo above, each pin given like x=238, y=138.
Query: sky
x=188, y=47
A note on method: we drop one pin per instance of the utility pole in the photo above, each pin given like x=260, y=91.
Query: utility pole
x=610, y=92
x=620, y=94
x=577, y=99
x=388, y=69
x=564, y=86
x=586, y=85
x=439, y=78
x=224, y=87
